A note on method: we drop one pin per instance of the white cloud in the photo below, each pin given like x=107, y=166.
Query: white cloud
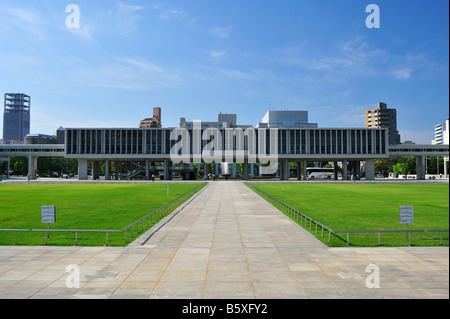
x=217, y=54
x=125, y=73
x=236, y=74
x=126, y=17
x=402, y=74
x=173, y=14
x=351, y=57
x=29, y=20
x=221, y=32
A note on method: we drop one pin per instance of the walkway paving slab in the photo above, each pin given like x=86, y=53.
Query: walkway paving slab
x=226, y=243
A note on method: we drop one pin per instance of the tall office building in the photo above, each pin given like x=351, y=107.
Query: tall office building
x=382, y=117
x=16, y=117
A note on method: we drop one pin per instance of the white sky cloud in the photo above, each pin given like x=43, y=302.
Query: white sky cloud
x=221, y=32
x=402, y=74
x=173, y=14
x=217, y=54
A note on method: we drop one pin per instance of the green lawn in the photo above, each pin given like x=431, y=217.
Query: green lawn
x=369, y=207
x=80, y=206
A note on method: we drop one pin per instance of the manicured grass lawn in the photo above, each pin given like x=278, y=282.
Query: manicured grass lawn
x=80, y=206
x=369, y=207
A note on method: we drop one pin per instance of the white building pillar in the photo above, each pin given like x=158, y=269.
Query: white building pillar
x=107, y=170
x=147, y=171
x=95, y=170
x=420, y=167
x=370, y=169
x=304, y=172
x=32, y=167
x=82, y=170
x=167, y=174
x=345, y=170
x=284, y=170
x=445, y=167
x=8, y=164
x=206, y=171
x=245, y=170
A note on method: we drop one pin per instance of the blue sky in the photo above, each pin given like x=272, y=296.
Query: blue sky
x=195, y=58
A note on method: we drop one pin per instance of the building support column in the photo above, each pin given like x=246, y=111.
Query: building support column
x=147, y=171
x=445, y=167
x=245, y=170
x=335, y=171
x=345, y=170
x=8, y=164
x=260, y=170
x=304, y=172
x=358, y=170
x=284, y=170
x=206, y=171
x=82, y=170
x=32, y=167
x=299, y=170
x=116, y=171
x=167, y=173
x=95, y=170
x=107, y=170
x=420, y=167
x=370, y=169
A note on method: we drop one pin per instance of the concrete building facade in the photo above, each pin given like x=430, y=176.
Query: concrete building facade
x=293, y=145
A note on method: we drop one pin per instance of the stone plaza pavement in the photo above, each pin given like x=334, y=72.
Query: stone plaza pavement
x=226, y=242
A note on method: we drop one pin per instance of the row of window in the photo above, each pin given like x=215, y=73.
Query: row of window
x=288, y=141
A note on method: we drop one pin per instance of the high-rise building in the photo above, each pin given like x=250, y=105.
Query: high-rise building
x=153, y=122
x=382, y=117
x=446, y=132
x=16, y=117
x=60, y=134
x=441, y=133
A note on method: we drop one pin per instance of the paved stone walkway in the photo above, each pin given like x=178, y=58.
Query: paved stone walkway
x=227, y=242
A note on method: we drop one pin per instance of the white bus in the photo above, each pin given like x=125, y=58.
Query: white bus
x=320, y=173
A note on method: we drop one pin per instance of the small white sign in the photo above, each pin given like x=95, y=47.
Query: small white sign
x=406, y=214
x=48, y=214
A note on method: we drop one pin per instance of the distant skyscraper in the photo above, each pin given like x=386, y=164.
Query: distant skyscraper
x=16, y=117
x=382, y=117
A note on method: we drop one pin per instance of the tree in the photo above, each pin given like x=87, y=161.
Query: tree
x=400, y=168
x=382, y=166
